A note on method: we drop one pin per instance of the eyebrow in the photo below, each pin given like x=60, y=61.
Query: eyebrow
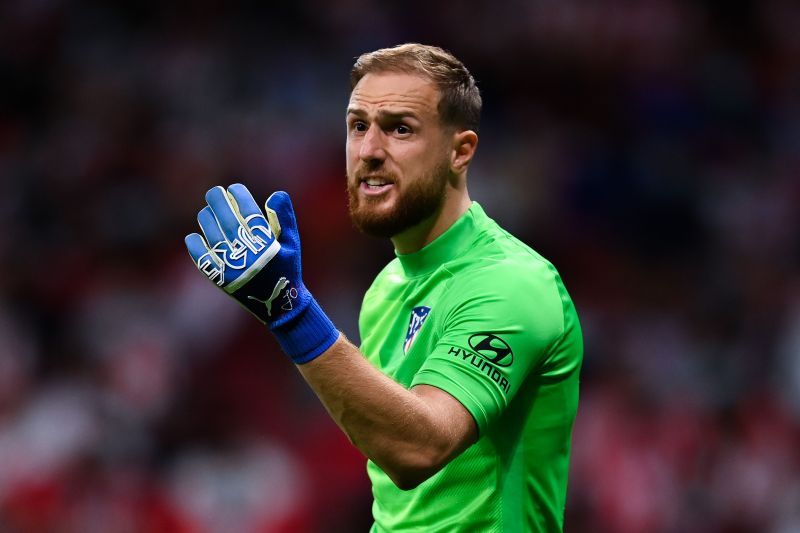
x=382, y=114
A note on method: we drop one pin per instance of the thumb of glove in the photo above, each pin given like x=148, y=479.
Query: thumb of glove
x=280, y=216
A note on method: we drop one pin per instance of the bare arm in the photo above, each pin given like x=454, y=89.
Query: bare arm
x=410, y=434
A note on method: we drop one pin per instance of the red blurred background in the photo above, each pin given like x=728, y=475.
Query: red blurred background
x=649, y=148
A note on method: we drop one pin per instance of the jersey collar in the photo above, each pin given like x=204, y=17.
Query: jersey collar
x=447, y=246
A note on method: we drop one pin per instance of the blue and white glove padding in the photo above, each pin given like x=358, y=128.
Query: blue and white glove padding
x=256, y=260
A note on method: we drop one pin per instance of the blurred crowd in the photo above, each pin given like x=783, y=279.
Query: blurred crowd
x=650, y=149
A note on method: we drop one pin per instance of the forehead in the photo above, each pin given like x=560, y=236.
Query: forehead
x=391, y=91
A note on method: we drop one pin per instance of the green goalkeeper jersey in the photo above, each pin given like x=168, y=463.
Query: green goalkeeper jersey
x=480, y=315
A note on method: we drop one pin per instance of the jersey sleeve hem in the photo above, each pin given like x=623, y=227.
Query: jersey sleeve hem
x=457, y=391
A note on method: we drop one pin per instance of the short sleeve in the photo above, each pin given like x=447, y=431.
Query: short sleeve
x=499, y=325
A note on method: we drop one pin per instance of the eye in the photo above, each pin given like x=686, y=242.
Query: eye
x=402, y=129
x=358, y=126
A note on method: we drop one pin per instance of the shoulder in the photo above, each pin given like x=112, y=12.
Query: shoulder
x=504, y=275
x=501, y=261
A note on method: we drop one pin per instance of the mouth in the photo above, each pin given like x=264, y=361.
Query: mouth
x=375, y=185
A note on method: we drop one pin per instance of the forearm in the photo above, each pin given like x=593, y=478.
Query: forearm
x=256, y=260
x=391, y=425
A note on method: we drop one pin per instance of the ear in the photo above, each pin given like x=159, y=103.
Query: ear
x=464, y=144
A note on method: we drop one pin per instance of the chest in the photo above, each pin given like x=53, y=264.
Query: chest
x=401, y=322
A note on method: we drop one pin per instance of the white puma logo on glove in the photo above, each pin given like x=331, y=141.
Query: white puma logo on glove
x=282, y=283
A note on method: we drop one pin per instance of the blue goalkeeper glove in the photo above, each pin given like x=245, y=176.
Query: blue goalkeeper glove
x=256, y=260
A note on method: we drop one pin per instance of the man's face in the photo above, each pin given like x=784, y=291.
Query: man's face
x=398, y=154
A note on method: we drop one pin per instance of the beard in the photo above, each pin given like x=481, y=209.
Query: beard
x=415, y=200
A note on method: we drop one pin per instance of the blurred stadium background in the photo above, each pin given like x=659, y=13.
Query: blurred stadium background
x=650, y=149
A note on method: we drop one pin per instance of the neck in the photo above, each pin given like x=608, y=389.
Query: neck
x=456, y=203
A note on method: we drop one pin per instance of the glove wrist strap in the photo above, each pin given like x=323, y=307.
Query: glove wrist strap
x=308, y=335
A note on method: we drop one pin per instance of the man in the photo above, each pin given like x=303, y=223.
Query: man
x=465, y=388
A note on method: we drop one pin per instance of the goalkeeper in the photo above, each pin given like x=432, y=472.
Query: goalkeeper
x=465, y=387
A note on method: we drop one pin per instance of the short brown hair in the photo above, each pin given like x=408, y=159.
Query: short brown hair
x=460, y=102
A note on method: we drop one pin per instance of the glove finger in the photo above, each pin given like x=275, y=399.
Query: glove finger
x=225, y=212
x=249, y=210
x=196, y=245
x=206, y=261
x=279, y=208
x=244, y=200
x=274, y=223
x=210, y=226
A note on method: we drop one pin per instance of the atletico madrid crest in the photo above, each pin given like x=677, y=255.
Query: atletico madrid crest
x=418, y=316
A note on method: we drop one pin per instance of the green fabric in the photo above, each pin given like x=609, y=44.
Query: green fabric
x=486, y=291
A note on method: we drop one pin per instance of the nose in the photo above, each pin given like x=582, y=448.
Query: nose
x=372, y=145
